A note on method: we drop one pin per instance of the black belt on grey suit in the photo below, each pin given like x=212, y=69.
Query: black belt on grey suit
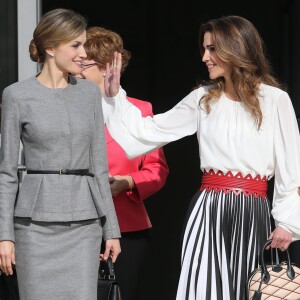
x=80, y=172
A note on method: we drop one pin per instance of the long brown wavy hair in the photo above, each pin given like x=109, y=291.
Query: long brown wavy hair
x=238, y=43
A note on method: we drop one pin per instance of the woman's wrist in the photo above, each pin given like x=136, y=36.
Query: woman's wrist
x=131, y=183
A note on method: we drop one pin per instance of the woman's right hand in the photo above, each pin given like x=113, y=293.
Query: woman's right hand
x=120, y=183
x=7, y=256
x=113, y=75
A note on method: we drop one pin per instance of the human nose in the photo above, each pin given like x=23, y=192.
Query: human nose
x=205, y=56
x=82, y=53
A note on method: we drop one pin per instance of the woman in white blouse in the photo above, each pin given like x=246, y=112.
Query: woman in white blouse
x=247, y=132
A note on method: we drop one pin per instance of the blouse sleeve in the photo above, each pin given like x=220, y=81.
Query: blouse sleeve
x=286, y=201
x=10, y=145
x=153, y=171
x=138, y=135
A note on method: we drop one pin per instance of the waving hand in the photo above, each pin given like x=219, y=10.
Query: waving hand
x=113, y=75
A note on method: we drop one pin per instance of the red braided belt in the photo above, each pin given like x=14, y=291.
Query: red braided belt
x=234, y=183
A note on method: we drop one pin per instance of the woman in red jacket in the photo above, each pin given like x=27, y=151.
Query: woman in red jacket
x=131, y=181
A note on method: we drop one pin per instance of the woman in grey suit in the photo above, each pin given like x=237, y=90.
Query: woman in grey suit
x=53, y=231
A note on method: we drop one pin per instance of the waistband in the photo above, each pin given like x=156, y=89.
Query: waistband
x=227, y=183
x=78, y=172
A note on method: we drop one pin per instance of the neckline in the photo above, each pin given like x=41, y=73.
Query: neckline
x=51, y=89
x=230, y=100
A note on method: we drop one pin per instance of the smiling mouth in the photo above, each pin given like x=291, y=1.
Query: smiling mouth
x=79, y=63
x=210, y=66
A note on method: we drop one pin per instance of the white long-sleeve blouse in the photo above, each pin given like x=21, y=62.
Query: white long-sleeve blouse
x=228, y=140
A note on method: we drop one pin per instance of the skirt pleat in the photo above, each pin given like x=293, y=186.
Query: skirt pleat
x=221, y=245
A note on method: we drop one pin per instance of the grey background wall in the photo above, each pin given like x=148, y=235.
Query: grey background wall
x=9, y=46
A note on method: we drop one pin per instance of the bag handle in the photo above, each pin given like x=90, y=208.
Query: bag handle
x=265, y=274
x=110, y=270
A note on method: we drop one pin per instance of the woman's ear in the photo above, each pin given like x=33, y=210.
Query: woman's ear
x=50, y=51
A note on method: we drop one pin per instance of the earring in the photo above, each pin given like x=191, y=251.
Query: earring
x=104, y=74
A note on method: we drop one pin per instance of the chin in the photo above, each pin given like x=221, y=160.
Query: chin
x=75, y=71
x=213, y=76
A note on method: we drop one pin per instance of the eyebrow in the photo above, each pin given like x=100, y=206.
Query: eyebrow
x=208, y=46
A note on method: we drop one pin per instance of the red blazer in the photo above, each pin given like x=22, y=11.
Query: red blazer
x=149, y=173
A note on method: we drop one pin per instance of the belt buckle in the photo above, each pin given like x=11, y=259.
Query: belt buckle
x=64, y=171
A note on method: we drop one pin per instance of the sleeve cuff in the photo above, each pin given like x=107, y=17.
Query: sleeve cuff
x=7, y=236
x=114, y=98
x=286, y=214
x=112, y=234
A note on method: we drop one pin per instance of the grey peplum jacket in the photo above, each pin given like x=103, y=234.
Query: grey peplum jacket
x=59, y=129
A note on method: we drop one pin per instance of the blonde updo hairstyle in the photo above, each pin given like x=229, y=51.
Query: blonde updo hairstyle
x=101, y=44
x=238, y=43
x=58, y=26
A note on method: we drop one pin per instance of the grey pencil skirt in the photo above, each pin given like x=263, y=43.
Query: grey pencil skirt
x=57, y=261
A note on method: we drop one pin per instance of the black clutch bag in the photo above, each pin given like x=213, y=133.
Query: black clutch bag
x=9, y=287
x=108, y=287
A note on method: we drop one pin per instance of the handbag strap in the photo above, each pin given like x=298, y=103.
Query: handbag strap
x=265, y=273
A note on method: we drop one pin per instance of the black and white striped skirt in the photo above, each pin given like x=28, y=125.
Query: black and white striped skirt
x=221, y=245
